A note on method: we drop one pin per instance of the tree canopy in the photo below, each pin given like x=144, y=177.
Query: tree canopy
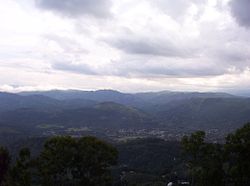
x=4, y=163
x=70, y=161
x=237, y=150
x=204, y=160
x=219, y=164
x=64, y=161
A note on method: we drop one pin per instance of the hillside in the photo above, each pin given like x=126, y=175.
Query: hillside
x=9, y=101
x=205, y=113
x=107, y=115
x=113, y=110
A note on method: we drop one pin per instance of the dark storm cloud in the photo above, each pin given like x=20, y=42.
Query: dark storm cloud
x=146, y=47
x=240, y=10
x=76, y=8
x=75, y=68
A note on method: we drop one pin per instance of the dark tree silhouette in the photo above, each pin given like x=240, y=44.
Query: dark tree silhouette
x=237, y=149
x=4, y=163
x=204, y=160
x=20, y=172
x=70, y=161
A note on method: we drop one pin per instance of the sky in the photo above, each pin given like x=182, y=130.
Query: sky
x=126, y=45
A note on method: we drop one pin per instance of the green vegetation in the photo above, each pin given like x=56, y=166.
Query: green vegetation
x=68, y=161
x=20, y=173
x=204, y=160
x=63, y=161
x=40, y=113
x=217, y=165
x=149, y=161
x=4, y=163
x=237, y=149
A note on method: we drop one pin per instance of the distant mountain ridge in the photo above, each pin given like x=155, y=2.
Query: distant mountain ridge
x=205, y=113
x=10, y=101
x=115, y=110
x=131, y=99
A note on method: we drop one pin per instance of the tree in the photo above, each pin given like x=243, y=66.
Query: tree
x=204, y=160
x=93, y=159
x=192, y=149
x=70, y=161
x=19, y=173
x=4, y=163
x=237, y=149
x=55, y=162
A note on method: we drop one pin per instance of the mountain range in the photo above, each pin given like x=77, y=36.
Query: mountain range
x=113, y=110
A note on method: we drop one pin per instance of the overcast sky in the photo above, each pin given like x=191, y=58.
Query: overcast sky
x=127, y=45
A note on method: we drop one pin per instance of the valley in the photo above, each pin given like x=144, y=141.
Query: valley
x=121, y=116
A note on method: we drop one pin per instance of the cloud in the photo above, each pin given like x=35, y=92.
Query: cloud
x=240, y=11
x=72, y=67
x=77, y=8
x=178, y=9
x=162, y=67
x=175, y=9
x=236, y=55
x=146, y=46
x=67, y=44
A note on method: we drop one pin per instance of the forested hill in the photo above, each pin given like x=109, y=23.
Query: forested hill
x=136, y=99
x=108, y=109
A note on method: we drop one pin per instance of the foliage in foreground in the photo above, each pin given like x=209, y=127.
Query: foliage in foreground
x=217, y=165
x=88, y=161
x=64, y=161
